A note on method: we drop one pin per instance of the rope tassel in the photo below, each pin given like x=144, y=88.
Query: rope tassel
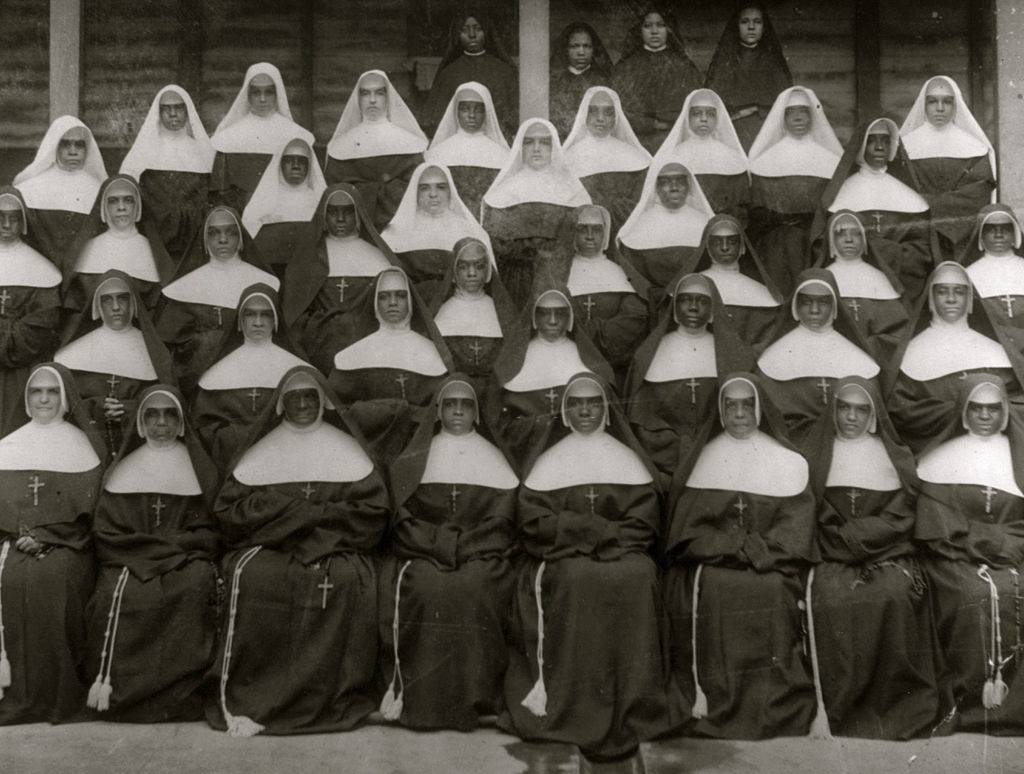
x=391, y=705
x=700, y=700
x=238, y=725
x=537, y=699
x=994, y=693
x=819, y=728
x=101, y=689
x=5, y=664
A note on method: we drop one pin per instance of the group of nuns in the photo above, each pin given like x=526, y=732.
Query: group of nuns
x=595, y=445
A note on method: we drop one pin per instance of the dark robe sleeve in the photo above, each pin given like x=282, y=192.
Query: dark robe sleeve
x=951, y=522
x=865, y=538
x=29, y=334
x=619, y=333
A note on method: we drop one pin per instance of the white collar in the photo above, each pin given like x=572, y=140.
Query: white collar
x=129, y=252
x=806, y=353
x=658, y=226
x=255, y=134
x=998, y=275
x=381, y=138
x=148, y=469
x=218, y=283
x=578, y=460
x=871, y=189
x=106, y=351
x=947, y=348
x=929, y=142
x=737, y=289
x=858, y=279
x=467, y=459
x=862, y=463
x=971, y=459
x=682, y=355
x=797, y=157
x=404, y=350
x=21, y=266
x=250, y=365
x=757, y=465
x=352, y=256
x=59, y=447
x=597, y=274
x=547, y=364
x=466, y=315
x=58, y=189
x=286, y=455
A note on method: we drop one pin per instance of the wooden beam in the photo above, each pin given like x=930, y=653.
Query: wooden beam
x=982, y=66
x=867, y=43
x=65, y=57
x=534, y=50
x=190, y=48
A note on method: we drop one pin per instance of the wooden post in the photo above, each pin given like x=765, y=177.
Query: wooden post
x=867, y=42
x=65, y=56
x=1010, y=114
x=534, y=49
x=190, y=48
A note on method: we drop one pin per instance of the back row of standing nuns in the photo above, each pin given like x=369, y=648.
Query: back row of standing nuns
x=402, y=437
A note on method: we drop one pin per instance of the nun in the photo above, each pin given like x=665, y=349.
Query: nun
x=996, y=269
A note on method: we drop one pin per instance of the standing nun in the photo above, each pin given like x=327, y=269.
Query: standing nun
x=172, y=158
x=301, y=513
x=953, y=160
x=579, y=61
x=60, y=186
x=376, y=145
x=469, y=141
x=156, y=541
x=50, y=472
x=258, y=123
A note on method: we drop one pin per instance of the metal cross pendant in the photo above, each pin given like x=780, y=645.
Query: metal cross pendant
x=341, y=290
x=220, y=320
x=591, y=496
x=853, y=494
x=254, y=395
x=113, y=381
x=740, y=506
x=989, y=493
x=307, y=489
x=4, y=298
x=158, y=506
x=35, y=484
x=824, y=386
x=878, y=217
x=1008, y=300
x=402, y=379
x=551, y=395
x=475, y=348
x=589, y=304
x=693, y=384
x=454, y=495
x=854, y=305
x=325, y=585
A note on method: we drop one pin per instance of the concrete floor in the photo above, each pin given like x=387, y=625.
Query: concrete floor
x=193, y=747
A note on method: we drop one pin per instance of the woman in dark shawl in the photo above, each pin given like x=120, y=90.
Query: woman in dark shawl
x=152, y=618
x=748, y=70
x=579, y=60
x=446, y=589
x=654, y=76
x=50, y=472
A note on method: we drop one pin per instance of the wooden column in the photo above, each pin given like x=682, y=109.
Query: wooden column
x=534, y=48
x=190, y=48
x=1010, y=113
x=867, y=41
x=65, y=56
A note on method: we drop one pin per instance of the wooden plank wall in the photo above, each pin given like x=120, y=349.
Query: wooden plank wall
x=24, y=72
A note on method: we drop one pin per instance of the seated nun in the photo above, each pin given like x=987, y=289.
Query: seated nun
x=970, y=525
x=875, y=180
x=116, y=237
x=525, y=206
x=953, y=161
x=336, y=265
x=672, y=386
x=791, y=161
x=387, y=376
x=446, y=588
x=473, y=311
x=376, y=145
x=114, y=353
x=741, y=534
x=29, y=308
x=156, y=541
x=587, y=598
x=535, y=363
x=748, y=68
x=953, y=335
x=284, y=201
x=817, y=346
x=605, y=154
x=664, y=231
x=60, y=186
x=609, y=297
x=654, y=75
x=301, y=514
x=996, y=269
x=750, y=297
x=704, y=141
x=172, y=158
x=232, y=392
x=50, y=472
x=198, y=307
x=874, y=630
x=258, y=123
x=470, y=143
x=578, y=62
x=429, y=221
x=868, y=287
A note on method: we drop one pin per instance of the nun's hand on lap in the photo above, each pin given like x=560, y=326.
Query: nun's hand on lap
x=112, y=408
x=28, y=545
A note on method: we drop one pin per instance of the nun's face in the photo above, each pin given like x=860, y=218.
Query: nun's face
x=471, y=115
x=849, y=240
x=589, y=234
x=72, y=148
x=340, y=218
x=585, y=413
x=724, y=249
x=939, y=108
x=950, y=301
x=393, y=306
x=703, y=120
x=115, y=310
x=457, y=415
x=601, y=115
x=984, y=418
x=302, y=406
x=876, y=150
x=173, y=112
x=739, y=416
x=581, y=50
x=814, y=308
x=693, y=310
x=10, y=225
x=433, y=194
x=852, y=418
x=44, y=397
x=373, y=97
x=997, y=238
x=294, y=168
x=121, y=207
x=222, y=238
x=472, y=36
x=552, y=322
x=653, y=30
x=537, y=147
x=672, y=190
x=471, y=271
x=262, y=94
x=797, y=120
x=257, y=320
x=161, y=421
x=751, y=26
